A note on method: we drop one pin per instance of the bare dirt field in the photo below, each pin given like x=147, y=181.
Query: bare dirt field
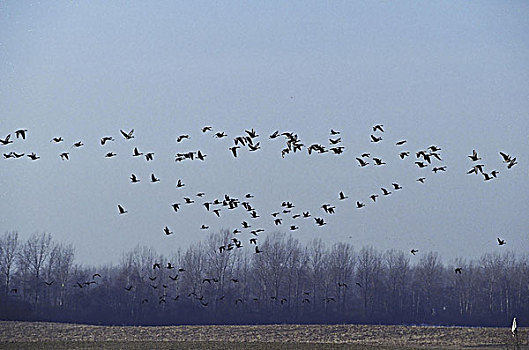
x=43, y=335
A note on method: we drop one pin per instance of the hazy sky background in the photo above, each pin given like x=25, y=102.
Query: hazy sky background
x=447, y=73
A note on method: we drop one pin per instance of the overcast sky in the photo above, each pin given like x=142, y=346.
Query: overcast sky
x=448, y=73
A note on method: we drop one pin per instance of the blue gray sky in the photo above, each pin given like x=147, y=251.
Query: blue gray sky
x=451, y=74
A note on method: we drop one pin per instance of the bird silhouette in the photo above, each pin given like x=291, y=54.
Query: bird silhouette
x=400, y=143
x=134, y=179
x=376, y=139
x=385, y=192
x=167, y=231
x=33, y=156
x=136, y=152
x=362, y=162
x=110, y=155
x=257, y=251
x=421, y=179
x=121, y=209
x=149, y=156
x=413, y=251
x=378, y=127
x=342, y=196
x=396, y=186
x=21, y=133
x=64, y=156
x=128, y=135
x=206, y=129
x=474, y=156
x=457, y=270
x=501, y=241
x=78, y=144
x=360, y=204
x=105, y=139
x=57, y=139
x=6, y=141
x=154, y=178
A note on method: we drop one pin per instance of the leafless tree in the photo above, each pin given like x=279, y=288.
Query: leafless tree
x=33, y=256
x=8, y=253
x=369, y=274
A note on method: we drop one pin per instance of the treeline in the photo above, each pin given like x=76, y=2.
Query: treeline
x=285, y=283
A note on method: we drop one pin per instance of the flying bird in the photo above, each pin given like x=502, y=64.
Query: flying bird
x=154, y=178
x=474, y=156
x=134, y=179
x=413, y=251
x=57, y=139
x=121, y=209
x=167, y=231
x=21, y=133
x=378, y=127
x=136, y=152
x=6, y=141
x=105, y=139
x=501, y=241
x=128, y=135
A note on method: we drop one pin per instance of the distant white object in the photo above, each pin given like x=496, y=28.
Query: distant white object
x=514, y=327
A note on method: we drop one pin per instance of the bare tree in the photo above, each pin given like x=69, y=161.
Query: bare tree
x=8, y=254
x=398, y=274
x=369, y=274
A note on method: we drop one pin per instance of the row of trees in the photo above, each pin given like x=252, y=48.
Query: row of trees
x=286, y=282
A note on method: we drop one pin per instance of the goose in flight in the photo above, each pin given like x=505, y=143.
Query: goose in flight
x=179, y=183
x=385, y=192
x=342, y=196
x=134, y=179
x=376, y=139
x=474, y=156
x=128, y=135
x=33, y=156
x=64, y=156
x=21, y=133
x=176, y=206
x=335, y=132
x=252, y=133
x=182, y=137
x=234, y=150
x=362, y=162
x=220, y=134
x=506, y=157
x=149, y=156
x=320, y=221
x=121, y=209
x=154, y=178
x=105, y=139
x=396, y=186
x=374, y=197
x=57, y=139
x=6, y=141
x=413, y=251
x=136, y=152
x=167, y=231
x=206, y=129
x=257, y=251
x=421, y=179
x=78, y=144
x=458, y=270
x=360, y=205
x=110, y=155
x=402, y=155
x=501, y=241
x=400, y=143
x=378, y=161
x=378, y=127
x=440, y=168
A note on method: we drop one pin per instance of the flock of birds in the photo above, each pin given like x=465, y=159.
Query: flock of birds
x=425, y=158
